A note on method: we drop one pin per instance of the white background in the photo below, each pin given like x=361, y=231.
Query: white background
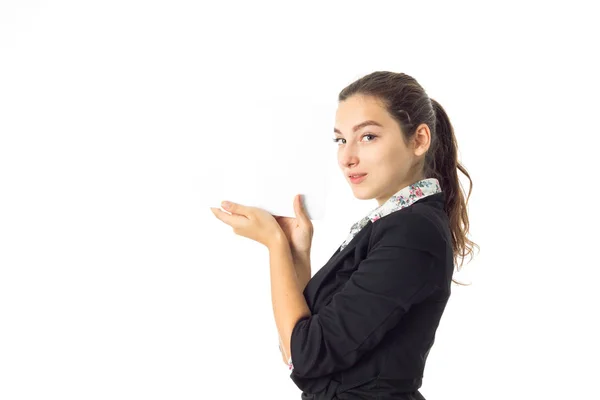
x=119, y=120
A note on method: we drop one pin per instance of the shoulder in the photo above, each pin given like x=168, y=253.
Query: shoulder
x=417, y=227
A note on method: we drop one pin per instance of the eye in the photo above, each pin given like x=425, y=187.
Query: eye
x=335, y=140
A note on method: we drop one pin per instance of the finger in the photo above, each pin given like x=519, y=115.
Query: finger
x=296, y=210
x=234, y=208
x=299, y=209
x=223, y=216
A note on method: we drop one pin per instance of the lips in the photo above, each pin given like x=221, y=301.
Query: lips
x=356, y=175
x=358, y=179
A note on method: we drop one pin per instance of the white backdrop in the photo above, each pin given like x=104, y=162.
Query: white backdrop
x=122, y=122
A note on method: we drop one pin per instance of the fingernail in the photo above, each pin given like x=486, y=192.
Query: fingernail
x=226, y=204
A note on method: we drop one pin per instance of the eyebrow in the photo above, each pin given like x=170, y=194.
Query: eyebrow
x=361, y=125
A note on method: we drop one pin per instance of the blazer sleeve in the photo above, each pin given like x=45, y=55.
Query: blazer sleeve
x=399, y=271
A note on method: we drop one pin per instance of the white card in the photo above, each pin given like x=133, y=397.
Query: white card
x=282, y=151
x=279, y=200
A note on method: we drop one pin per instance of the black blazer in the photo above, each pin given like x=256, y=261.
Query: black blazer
x=375, y=308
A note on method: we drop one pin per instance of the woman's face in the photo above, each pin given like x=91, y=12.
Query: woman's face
x=377, y=150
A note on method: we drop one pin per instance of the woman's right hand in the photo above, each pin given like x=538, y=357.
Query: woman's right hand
x=299, y=231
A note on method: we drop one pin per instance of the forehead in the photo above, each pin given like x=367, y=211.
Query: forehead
x=356, y=109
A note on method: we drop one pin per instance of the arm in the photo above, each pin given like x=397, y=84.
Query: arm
x=289, y=304
x=303, y=268
x=283, y=356
x=303, y=272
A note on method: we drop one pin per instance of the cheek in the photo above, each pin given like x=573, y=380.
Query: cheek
x=391, y=165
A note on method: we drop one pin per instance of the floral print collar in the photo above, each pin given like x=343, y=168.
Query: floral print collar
x=401, y=199
x=405, y=197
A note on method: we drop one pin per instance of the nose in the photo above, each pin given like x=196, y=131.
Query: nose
x=347, y=157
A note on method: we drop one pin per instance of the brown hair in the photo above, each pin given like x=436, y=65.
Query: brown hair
x=406, y=101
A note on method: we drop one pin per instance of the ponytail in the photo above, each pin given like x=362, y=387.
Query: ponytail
x=444, y=166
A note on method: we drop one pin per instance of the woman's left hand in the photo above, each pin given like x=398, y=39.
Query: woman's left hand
x=251, y=222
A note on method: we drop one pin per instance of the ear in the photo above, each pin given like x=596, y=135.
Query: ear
x=421, y=140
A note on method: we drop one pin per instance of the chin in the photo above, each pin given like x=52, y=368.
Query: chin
x=361, y=195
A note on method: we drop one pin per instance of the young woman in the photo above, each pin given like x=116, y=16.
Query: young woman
x=363, y=325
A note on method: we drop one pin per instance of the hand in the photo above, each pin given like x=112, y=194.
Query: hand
x=298, y=231
x=251, y=222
